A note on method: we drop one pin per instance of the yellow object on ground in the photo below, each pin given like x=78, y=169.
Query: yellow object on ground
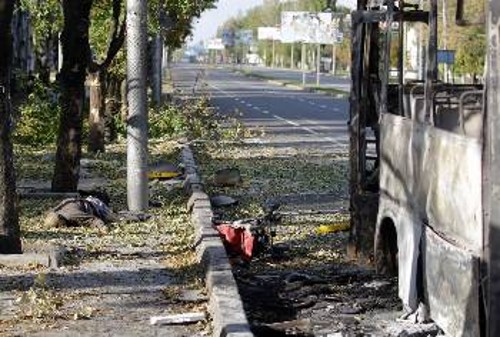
x=333, y=228
x=163, y=171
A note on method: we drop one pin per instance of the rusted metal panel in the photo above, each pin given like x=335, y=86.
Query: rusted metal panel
x=436, y=175
x=451, y=282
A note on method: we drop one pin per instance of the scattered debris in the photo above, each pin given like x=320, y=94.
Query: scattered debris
x=223, y=201
x=228, y=177
x=76, y=212
x=333, y=228
x=164, y=171
x=301, y=327
x=188, y=318
x=192, y=296
x=249, y=237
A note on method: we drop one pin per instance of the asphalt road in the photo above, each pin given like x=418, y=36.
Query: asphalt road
x=282, y=116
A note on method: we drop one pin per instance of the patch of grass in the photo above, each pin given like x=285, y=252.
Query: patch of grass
x=270, y=172
x=331, y=91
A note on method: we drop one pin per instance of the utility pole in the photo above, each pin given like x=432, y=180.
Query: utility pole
x=303, y=64
x=137, y=121
x=334, y=58
x=292, y=59
x=318, y=64
x=445, y=38
x=421, y=48
x=157, y=67
x=274, y=53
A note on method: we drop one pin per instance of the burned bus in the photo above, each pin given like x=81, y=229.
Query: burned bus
x=424, y=181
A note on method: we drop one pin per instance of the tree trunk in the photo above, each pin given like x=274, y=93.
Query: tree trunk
x=112, y=108
x=10, y=242
x=157, y=69
x=97, y=111
x=75, y=44
x=124, y=101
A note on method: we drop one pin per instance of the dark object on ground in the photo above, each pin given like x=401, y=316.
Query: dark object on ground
x=77, y=212
x=301, y=328
x=228, y=177
x=223, y=201
x=127, y=216
x=99, y=194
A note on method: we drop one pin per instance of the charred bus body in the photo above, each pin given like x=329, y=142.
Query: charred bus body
x=424, y=175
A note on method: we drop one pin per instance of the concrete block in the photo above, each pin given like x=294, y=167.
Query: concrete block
x=178, y=319
x=47, y=256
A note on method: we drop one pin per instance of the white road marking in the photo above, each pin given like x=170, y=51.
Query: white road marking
x=305, y=128
x=256, y=108
x=311, y=131
x=286, y=120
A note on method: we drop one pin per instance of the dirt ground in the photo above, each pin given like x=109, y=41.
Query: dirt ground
x=304, y=286
x=113, y=280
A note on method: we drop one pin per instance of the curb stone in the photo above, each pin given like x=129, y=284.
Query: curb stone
x=294, y=86
x=225, y=304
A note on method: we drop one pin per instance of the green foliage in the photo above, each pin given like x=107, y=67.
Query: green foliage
x=194, y=120
x=174, y=18
x=46, y=17
x=471, y=55
x=39, y=116
x=166, y=122
x=269, y=15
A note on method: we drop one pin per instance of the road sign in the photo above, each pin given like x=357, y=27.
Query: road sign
x=228, y=38
x=244, y=37
x=446, y=57
x=215, y=44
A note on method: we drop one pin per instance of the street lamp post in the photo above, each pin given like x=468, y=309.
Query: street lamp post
x=137, y=121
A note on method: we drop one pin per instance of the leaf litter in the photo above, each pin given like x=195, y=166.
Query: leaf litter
x=116, y=277
x=328, y=293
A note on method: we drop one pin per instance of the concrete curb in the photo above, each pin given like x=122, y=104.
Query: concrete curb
x=225, y=305
x=51, y=256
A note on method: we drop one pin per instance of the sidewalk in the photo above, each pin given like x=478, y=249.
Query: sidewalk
x=112, y=281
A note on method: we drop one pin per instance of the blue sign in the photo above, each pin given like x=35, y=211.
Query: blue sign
x=446, y=56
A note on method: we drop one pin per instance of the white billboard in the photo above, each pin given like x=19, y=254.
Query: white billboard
x=269, y=33
x=215, y=44
x=308, y=27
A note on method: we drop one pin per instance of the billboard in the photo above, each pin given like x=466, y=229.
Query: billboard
x=309, y=27
x=244, y=37
x=269, y=33
x=228, y=38
x=215, y=44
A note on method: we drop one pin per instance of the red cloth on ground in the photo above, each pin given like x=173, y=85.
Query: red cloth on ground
x=238, y=240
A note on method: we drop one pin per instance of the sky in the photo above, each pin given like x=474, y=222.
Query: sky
x=206, y=27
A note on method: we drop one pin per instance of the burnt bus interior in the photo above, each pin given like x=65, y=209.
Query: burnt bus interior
x=381, y=87
x=431, y=96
